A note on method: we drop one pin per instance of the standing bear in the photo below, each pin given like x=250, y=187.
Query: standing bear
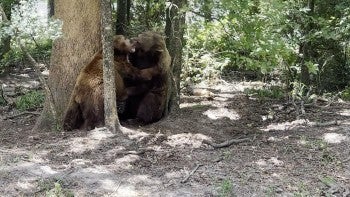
x=86, y=106
x=148, y=105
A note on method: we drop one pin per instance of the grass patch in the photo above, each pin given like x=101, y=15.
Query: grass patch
x=30, y=101
x=53, y=188
x=274, y=92
x=226, y=188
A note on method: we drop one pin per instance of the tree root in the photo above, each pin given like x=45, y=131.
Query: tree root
x=226, y=143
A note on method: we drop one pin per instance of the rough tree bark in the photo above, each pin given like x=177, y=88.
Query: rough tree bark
x=122, y=17
x=81, y=39
x=110, y=104
x=174, y=30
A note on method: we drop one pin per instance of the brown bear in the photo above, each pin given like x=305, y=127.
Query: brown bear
x=147, y=99
x=86, y=106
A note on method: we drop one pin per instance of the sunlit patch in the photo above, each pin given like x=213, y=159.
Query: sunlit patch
x=285, y=125
x=81, y=144
x=96, y=170
x=108, y=184
x=276, y=161
x=222, y=113
x=143, y=179
x=134, y=134
x=344, y=112
x=47, y=170
x=261, y=163
x=334, y=138
x=226, y=95
x=127, y=190
x=273, y=161
x=173, y=175
x=80, y=162
x=183, y=139
x=126, y=161
x=277, y=139
x=25, y=184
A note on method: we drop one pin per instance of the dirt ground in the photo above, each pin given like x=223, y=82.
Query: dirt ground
x=279, y=156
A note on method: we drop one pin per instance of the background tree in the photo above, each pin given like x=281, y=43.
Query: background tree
x=123, y=9
x=81, y=39
x=51, y=8
x=5, y=42
x=174, y=30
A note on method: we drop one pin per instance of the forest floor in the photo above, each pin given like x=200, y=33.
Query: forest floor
x=279, y=155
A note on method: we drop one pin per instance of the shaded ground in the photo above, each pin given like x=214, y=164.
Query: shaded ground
x=285, y=157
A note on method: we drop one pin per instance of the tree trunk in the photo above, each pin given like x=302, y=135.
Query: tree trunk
x=174, y=30
x=305, y=48
x=5, y=43
x=81, y=39
x=51, y=8
x=121, y=17
x=110, y=104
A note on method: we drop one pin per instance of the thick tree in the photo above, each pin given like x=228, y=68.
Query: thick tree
x=81, y=39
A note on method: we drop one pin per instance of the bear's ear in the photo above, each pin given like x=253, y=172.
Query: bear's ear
x=157, y=49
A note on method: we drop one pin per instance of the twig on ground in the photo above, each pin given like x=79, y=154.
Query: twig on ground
x=138, y=152
x=191, y=173
x=324, y=124
x=21, y=114
x=227, y=143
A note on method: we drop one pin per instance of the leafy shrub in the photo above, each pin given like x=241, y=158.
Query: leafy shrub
x=30, y=101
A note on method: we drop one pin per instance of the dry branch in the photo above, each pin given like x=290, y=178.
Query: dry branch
x=41, y=77
x=226, y=143
x=191, y=173
x=324, y=124
x=21, y=114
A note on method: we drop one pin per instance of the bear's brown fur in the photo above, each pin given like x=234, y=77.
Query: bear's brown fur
x=86, y=106
x=149, y=104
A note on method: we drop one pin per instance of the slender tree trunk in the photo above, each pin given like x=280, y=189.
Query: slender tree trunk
x=5, y=43
x=306, y=48
x=81, y=39
x=50, y=8
x=128, y=14
x=174, y=30
x=121, y=17
x=110, y=104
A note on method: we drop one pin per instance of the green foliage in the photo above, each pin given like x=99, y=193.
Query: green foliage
x=54, y=189
x=270, y=36
x=29, y=28
x=274, y=92
x=345, y=94
x=226, y=188
x=40, y=51
x=30, y=101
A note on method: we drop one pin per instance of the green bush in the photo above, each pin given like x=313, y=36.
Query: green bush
x=30, y=101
